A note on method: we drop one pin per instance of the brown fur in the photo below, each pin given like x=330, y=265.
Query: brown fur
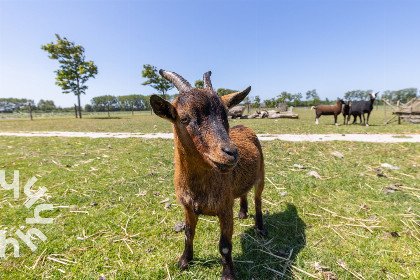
x=328, y=110
x=213, y=164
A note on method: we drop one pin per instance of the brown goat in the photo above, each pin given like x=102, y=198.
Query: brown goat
x=328, y=110
x=213, y=164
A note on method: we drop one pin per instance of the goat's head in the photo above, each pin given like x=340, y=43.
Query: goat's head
x=199, y=118
x=373, y=95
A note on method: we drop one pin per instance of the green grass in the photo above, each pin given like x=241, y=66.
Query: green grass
x=344, y=216
x=146, y=123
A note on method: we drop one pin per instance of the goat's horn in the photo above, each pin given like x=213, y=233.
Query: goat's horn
x=206, y=80
x=179, y=82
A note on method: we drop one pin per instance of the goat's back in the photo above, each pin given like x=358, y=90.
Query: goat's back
x=362, y=106
x=328, y=109
x=250, y=167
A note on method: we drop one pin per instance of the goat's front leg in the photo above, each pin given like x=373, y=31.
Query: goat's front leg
x=225, y=244
x=190, y=224
x=367, y=121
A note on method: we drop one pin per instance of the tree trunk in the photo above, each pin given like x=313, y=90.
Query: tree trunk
x=75, y=110
x=80, y=109
x=108, y=111
x=132, y=110
x=30, y=111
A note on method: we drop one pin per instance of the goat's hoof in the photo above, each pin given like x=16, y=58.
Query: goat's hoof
x=242, y=215
x=228, y=277
x=183, y=263
x=262, y=232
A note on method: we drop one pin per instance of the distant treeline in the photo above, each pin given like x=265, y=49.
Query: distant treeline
x=137, y=102
x=312, y=98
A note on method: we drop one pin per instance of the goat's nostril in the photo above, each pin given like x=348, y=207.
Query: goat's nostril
x=231, y=151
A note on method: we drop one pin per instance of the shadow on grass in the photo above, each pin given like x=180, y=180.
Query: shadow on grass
x=270, y=257
x=106, y=118
x=267, y=257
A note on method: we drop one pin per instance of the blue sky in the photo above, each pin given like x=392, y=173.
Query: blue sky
x=274, y=46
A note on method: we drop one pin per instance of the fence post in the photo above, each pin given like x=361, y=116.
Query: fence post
x=30, y=110
x=384, y=111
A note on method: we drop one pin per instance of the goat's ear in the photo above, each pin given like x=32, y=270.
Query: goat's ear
x=163, y=108
x=235, y=98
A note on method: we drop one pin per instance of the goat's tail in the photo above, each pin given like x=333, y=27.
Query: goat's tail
x=313, y=107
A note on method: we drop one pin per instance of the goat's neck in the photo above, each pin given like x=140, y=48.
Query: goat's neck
x=187, y=160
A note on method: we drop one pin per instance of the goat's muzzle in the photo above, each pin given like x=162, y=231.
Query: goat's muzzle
x=226, y=157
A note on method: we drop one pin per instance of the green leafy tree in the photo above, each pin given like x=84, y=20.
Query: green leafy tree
x=88, y=108
x=271, y=103
x=104, y=102
x=199, y=84
x=225, y=91
x=46, y=105
x=74, y=70
x=357, y=95
x=403, y=95
x=312, y=97
x=256, y=102
x=155, y=80
x=15, y=104
x=131, y=102
x=284, y=97
x=297, y=99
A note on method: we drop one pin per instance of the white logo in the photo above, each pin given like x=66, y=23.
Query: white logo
x=37, y=219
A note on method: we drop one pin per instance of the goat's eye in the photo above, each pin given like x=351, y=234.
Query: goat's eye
x=185, y=120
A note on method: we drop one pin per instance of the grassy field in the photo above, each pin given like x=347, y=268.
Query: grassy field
x=146, y=123
x=109, y=220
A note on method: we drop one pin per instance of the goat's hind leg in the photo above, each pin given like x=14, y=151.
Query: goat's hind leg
x=259, y=225
x=243, y=211
x=190, y=224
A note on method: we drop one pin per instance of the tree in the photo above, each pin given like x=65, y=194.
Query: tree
x=74, y=70
x=297, y=99
x=357, y=95
x=88, y=108
x=312, y=97
x=15, y=104
x=155, y=80
x=271, y=103
x=283, y=97
x=46, y=105
x=131, y=102
x=100, y=103
x=403, y=95
x=199, y=84
x=256, y=102
x=225, y=91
